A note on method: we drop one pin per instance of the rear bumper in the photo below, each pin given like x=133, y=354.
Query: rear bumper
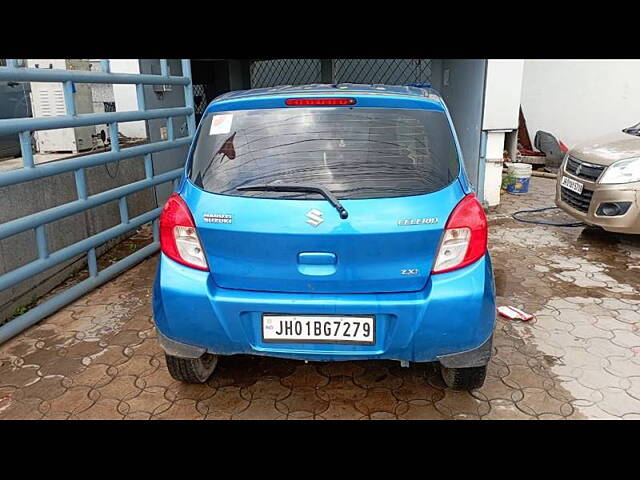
x=450, y=320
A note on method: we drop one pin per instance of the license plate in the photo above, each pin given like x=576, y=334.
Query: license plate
x=572, y=185
x=352, y=329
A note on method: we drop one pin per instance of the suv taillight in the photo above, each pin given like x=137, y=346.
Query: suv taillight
x=178, y=237
x=465, y=236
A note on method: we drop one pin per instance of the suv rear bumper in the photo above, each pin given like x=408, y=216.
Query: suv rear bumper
x=450, y=320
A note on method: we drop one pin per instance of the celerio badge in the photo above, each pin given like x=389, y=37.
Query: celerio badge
x=417, y=221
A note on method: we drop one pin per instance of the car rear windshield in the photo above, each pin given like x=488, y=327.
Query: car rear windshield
x=353, y=152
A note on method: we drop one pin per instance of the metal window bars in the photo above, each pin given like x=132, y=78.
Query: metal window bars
x=284, y=71
x=299, y=71
x=200, y=99
x=393, y=71
x=31, y=171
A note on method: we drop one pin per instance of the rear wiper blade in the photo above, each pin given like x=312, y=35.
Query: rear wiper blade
x=300, y=188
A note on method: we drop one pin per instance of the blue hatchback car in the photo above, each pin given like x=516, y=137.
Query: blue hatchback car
x=326, y=223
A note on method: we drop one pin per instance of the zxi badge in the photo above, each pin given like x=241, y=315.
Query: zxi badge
x=409, y=271
x=315, y=217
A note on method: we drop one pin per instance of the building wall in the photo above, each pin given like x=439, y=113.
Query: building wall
x=577, y=100
x=461, y=83
x=101, y=94
x=169, y=159
x=483, y=97
x=126, y=98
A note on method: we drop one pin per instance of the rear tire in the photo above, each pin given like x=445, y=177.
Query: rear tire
x=468, y=378
x=192, y=370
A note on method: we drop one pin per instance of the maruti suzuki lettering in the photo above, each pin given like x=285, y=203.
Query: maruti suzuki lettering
x=326, y=223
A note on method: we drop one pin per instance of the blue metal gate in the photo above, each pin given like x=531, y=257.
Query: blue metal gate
x=31, y=171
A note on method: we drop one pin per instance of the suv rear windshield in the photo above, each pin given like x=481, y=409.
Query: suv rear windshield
x=353, y=152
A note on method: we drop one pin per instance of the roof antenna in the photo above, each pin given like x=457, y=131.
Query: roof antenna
x=419, y=85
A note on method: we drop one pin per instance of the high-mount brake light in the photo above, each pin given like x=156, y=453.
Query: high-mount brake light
x=465, y=237
x=178, y=237
x=326, y=102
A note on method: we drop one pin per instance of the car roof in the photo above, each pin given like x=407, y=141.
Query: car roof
x=333, y=88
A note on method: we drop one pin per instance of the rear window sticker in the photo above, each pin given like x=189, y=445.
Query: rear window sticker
x=221, y=124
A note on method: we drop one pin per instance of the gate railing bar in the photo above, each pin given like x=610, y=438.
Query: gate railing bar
x=188, y=98
x=25, y=147
x=29, y=222
x=170, y=133
x=41, y=241
x=15, y=74
x=9, y=126
x=69, y=101
x=73, y=250
x=36, y=314
x=113, y=136
x=164, y=68
x=140, y=96
x=53, y=168
x=81, y=188
x=124, y=210
x=148, y=166
x=31, y=171
x=92, y=262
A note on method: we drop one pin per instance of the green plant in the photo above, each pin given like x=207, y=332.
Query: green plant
x=20, y=309
x=507, y=180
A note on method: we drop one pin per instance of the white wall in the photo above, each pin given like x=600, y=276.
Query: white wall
x=126, y=98
x=578, y=100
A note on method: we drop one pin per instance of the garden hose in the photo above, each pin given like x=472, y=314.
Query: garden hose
x=543, y=222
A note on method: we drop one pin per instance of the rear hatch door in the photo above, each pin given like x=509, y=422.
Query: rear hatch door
x=394, y=169
x=385, y=245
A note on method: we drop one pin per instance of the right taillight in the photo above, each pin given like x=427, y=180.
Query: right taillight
x=178, y=236
x=465, y=236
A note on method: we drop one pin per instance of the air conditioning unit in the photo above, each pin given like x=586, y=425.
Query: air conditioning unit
x=47, y=100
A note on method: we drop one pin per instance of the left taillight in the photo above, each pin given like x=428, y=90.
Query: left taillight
x=178, y=236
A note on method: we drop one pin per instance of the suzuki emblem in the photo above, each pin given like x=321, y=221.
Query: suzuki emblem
x=315, y=217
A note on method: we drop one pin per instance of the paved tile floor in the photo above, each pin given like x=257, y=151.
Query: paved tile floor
x=579, y=358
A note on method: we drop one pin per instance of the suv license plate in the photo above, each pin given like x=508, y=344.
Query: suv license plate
x=572, y=185
x=352, y=329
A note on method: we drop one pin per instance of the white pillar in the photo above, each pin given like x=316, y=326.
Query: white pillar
x=503, y=89
x=493, y=167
